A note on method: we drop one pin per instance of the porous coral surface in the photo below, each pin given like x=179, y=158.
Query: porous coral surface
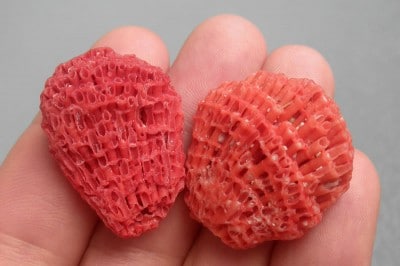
x=268, y=156
x=115, y=126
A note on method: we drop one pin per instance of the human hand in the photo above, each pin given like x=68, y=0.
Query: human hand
x=43, y=221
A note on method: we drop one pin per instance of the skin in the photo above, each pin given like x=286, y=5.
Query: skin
x=44, y=222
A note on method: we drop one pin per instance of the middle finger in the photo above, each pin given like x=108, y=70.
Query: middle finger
x=223, y=48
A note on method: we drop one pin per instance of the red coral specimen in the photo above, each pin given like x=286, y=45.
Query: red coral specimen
x=115, y=127
x=269, y=155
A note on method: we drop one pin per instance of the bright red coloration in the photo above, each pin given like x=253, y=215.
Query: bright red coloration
x=115, y=127
x=269, y=155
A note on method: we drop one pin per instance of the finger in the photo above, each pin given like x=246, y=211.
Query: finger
x=39, y=212
x=223, y=48
x=298, y=61
x=347, y=231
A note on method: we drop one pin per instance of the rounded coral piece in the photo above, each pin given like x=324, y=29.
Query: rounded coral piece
x=115, y=126
x=268, y=156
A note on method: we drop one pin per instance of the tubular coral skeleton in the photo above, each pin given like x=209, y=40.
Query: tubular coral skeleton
x=276, y=147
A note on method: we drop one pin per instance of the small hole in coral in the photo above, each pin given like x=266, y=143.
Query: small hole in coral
x=118, y=90
x=88, y=167
x=127, y=202
x=143, y=116
x=84, y=73
x=301, y=210
x=295, y=116
x=283, y=226
x=139, y=200
x=243, y=172
x=250, y=232
x=101, y=130
x=154, y=91
x=260, y=193
x=133, y=77
x=263, y=175
x=216, y=152
x=114, y=196
x=78, y=96
x=316, y=96
x=244, y=196
x=54, y=122
x=139, y=217
x=324, y=198
x=102, y=161
x=293, y=187
x=236, y=188
x=293, y=199
x=257, y=153
x=235, y=126
x=266, y=211
x=131, y=101
x=245, y=215
x=88, y=121
x=269, y=189
x=111, y=66
x=98, y=73
x=116, y=211
x=146, y=211
x=72, y=74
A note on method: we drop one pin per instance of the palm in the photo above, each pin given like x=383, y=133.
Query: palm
x=43, y=221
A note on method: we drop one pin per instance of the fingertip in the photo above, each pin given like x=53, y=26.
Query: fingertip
x=243, y=32
x=368, y=182
x=222, y=48
x=140, y=41
x=363, y=159
x=299, y=61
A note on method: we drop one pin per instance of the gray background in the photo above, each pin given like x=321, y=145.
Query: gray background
x=360, y=39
